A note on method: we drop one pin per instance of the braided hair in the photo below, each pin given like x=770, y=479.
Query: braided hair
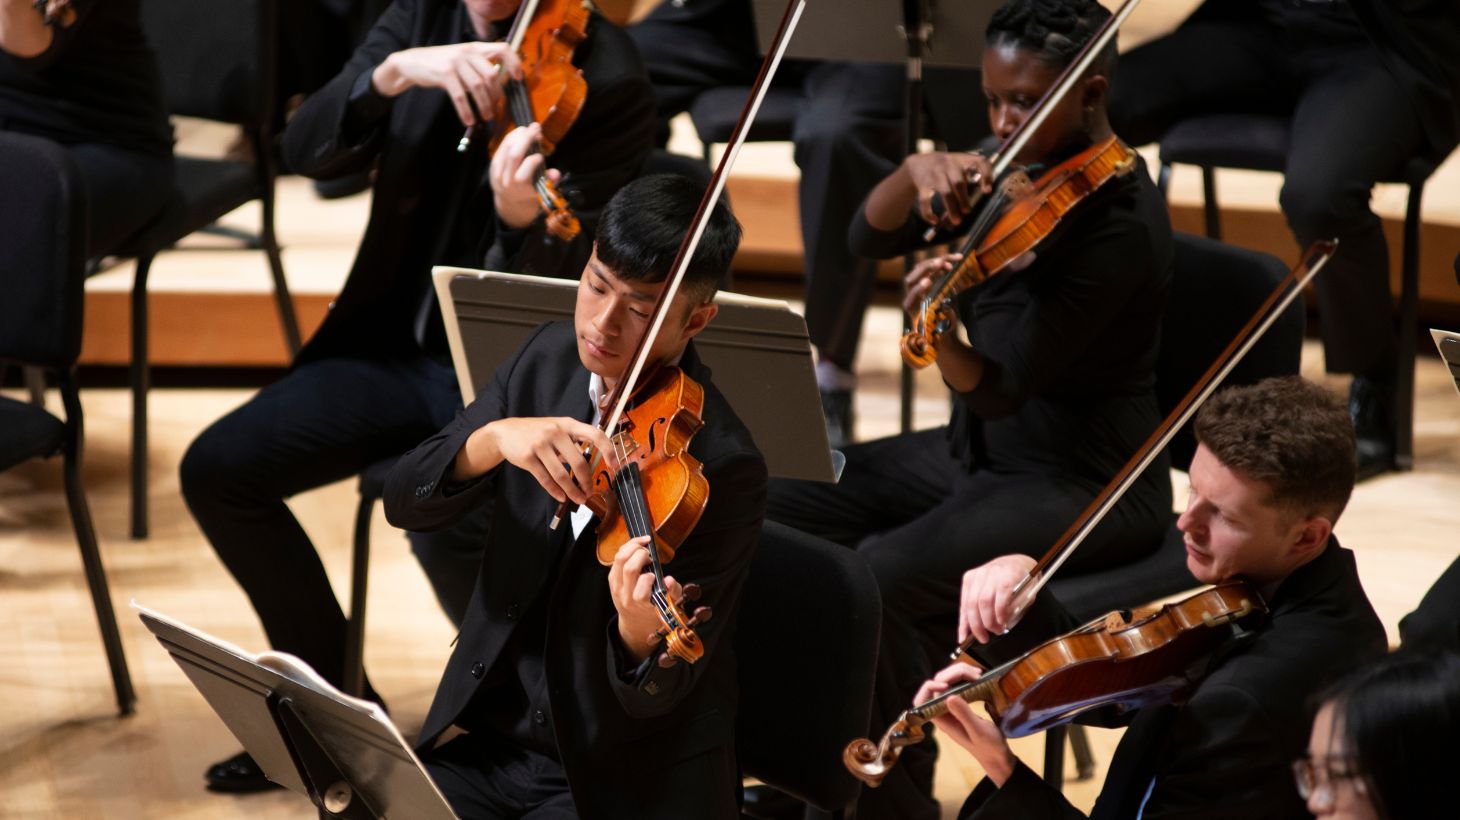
x=1055, y=30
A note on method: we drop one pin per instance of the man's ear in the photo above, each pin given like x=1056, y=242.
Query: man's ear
x=1312, y=537
x=699, y=316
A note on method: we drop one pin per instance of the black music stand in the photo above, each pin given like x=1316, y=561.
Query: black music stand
x=922, y=33
x=757, y=349
x=342, y=753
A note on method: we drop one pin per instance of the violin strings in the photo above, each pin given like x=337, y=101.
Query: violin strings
x=632, y=506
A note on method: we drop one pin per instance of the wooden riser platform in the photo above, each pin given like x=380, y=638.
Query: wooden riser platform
x=240, y=328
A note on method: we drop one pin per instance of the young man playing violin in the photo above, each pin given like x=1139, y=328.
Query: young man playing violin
x=1053, y=395
x=1273, y=470
x=376, y=377
x=556, y=678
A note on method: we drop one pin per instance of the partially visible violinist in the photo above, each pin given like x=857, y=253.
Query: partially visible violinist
x=1054, y=392
x=377, y=378
x=81, y=74
x=1273, y=471
x=556, y=681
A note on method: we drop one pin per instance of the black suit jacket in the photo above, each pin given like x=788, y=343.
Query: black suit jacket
x=1227, y=752
x=418, y=179
x=614, y=731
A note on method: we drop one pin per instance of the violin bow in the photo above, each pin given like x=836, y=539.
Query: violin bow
x=619, y=398
x=1025, y=591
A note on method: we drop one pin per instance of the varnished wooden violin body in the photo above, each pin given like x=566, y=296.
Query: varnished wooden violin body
x=1126, y=659
x=1023, y=215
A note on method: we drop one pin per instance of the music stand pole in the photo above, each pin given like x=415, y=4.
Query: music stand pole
x=917, y=28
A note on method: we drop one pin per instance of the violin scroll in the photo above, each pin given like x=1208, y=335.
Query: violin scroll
x=870, y=762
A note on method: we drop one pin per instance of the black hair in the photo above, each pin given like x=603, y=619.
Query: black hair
x=1055, y=30
x=1397, y=719
x=643, y=225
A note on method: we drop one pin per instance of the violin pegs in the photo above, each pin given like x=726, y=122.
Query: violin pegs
x=667, y=660
x=656, y=638
x=691, y=592
x=701, y=615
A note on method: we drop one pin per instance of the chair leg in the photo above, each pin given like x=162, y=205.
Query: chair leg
x=359, y=575
x=266, y=174
x=1210, y=208
x=35, y=382
x=1408, y=321
x=141, y=381
x=1054, y=756
x=106, y=617
x=285, y=302
x=1080, y=745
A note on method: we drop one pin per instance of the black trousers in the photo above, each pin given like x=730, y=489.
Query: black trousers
x=921, y=520
x=486, y=778
x=848, y=135
x=323, y=422
x=1352, y=123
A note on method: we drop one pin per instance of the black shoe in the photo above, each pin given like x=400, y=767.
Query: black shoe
x=836, y=405
x=1370, y=405
x=238, y=775
x=767, y=803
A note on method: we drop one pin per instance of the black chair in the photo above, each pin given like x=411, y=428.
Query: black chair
x=1260, y=143
x=218, y=63
x=715, y=111
x=42, y=266
x=1215, y=290
x=809, y=606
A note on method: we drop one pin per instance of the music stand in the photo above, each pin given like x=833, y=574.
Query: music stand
x=1449, y=345
x=757, y=349
x=341, y=752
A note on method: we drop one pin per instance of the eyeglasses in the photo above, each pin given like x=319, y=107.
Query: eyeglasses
x=1315, y=778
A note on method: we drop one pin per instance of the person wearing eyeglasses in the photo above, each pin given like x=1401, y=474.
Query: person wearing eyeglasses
x=1382, y=746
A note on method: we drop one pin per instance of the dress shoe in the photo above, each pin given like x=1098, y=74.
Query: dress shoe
x=836, y=405
x=238, y=775
x=767, y=803
x=1370, y=405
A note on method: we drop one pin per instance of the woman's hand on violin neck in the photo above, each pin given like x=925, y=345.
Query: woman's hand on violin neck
x=951, y=178
x=551, y=449
x=513, y=174
x=919, y=281
x=987, y=598
x=978, y=735
x=631, y=585
x=469, y=73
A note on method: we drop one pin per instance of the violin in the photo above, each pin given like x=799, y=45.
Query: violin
x=1021, y=215
x=1126, y=659
x=1002, y=235
x=543, y=35
x=659, y=490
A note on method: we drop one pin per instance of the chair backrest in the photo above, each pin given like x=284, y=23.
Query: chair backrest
x=1215, y=290
x=218, y=59
x=810, y=614
x=42, y=260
